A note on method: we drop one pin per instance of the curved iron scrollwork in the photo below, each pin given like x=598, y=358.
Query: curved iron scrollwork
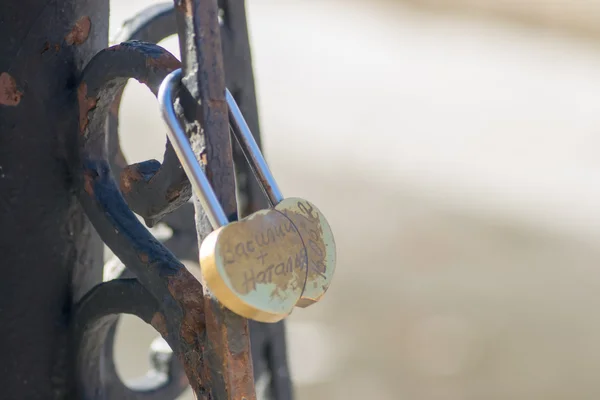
x=178, y=314
x=95, y=328
x=155, y=286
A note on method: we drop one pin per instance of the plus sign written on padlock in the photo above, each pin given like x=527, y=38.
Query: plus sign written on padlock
x=261, y=257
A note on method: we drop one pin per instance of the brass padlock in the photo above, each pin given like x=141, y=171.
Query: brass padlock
x=256, y=267
x=311, y=223
x=259, y=266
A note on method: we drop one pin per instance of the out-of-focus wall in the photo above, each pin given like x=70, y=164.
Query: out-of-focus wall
x=575, y=16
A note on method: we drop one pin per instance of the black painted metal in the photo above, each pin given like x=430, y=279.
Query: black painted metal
x=49, y=253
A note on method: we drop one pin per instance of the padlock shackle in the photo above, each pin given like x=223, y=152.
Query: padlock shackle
x=181, y=145
x=252, y=152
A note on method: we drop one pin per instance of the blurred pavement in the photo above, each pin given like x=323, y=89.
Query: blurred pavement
x=456, y=161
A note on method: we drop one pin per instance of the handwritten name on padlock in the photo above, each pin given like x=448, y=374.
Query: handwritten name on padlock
x=320, y=246
x=256, y=267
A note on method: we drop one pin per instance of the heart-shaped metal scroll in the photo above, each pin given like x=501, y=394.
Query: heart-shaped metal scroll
x=256, y=267
x=320, y=246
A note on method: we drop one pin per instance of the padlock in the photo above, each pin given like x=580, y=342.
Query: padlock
x=267, y=287
x=311, y=223
x=256, y=267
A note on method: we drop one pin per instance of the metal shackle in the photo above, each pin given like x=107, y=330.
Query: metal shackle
x=193, y=169
x=252, y=152
x=181, y=145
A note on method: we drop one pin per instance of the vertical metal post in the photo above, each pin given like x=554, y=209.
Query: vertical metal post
x=228, y=366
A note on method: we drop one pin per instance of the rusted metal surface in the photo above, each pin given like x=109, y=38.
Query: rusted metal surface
x=227, y=341
x=153, y=190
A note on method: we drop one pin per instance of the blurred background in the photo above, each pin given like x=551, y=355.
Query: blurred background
x=453, y=146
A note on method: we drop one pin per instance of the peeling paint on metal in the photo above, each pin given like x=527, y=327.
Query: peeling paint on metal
x=85, y=105
x=129, y=176
x=89, y=176
x=163, y=61
x=159, y=323
x=184, y=6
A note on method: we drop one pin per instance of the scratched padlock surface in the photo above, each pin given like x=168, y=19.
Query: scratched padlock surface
x=318, y=239
x=256, y=267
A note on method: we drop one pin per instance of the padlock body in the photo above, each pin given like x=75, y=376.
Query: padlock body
x=256, y=267
x=318, y=239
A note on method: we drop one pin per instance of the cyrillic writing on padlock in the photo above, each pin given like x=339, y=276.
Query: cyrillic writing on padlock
x=256, y=267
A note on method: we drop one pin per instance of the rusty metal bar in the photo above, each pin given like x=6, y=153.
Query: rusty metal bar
x=227, y=357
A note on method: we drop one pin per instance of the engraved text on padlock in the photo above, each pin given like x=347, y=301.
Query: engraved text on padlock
x=256, y=267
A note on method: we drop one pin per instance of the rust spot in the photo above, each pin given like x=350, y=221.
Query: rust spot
x=195, y=370
x=184, y=6
x=188, y=292
x=159, y=323
x=165, y=61
x=230, y=340
x=217, y=104
x=173, y=195
x=116, y=47
x=85, y=105
x=241, y=374
x=129, y=176
x=144, y=257
x=45, y=48
x=204, y=158
x=88, y=183
x=80, y=31
x=57, y=48
x=9, y=94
